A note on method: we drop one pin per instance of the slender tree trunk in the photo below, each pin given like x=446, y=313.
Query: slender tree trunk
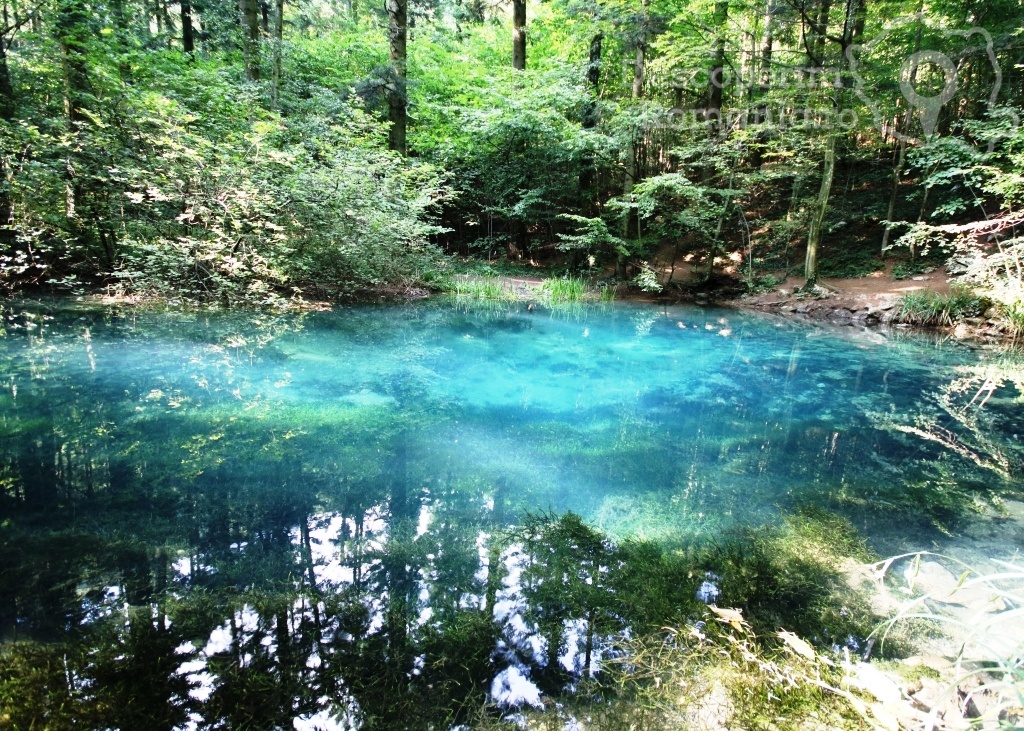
x=817, y=218
x=519, y=34
x=632, y=163
x=901, y=155
x=587, y=173
x=250, y=38
x=853, y=26
x=815, y=45
x=716, y=80
x=120, y=45
x=6, y=114
x=275, y=87
x=168, y=23
x=763, y=84
x=593, y=80
x=6, y=88
x=397, y=101
x=639, y=63
x=72, y=31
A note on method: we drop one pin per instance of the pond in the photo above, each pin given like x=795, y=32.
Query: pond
x=379, y=517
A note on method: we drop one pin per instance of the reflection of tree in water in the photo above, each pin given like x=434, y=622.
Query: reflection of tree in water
x=961, y=442
x=199, y=574
x=192, y=546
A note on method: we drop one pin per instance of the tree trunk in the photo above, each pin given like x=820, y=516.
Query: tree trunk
x=397, y=102
x=275, y=87
x=853, y=26
x=6, y=88
x=815, y=44
x=632, y=163
x=820, y=207
x=188, y=42
x=763, y=84
x=6, y=114
x=639, y=62
x=519, y=34
x=250, y=38
x=716, y=80
x=72, y=31
x=587, y=173
x=162, y=5
x=594, y=69
x=901, y=155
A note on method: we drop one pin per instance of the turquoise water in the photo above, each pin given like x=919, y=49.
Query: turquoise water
x=316, y=520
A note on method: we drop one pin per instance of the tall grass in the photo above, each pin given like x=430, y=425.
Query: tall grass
x=931, y=308
x=564, y=289
x=485, y=287
x=1012, y=315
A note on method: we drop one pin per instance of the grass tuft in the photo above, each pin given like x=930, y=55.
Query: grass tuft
x=564, y=289
x=931, y=308
x=485, y=287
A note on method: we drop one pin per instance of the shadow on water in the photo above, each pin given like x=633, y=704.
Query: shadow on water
x=384, y=517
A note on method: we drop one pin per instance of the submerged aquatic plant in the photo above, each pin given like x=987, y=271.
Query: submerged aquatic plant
x=711, y=673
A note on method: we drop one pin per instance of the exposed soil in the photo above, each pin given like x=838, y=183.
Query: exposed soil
x=867, y=299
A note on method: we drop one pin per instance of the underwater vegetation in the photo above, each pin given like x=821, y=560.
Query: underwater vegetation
x=428, y=516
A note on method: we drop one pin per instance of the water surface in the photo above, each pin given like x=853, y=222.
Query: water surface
x=317, y=520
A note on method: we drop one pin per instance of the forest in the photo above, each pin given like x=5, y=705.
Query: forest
x=261, y=153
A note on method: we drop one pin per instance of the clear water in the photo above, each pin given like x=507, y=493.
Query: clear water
x=299, y=520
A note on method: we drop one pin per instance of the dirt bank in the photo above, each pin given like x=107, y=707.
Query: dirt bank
x=867, y=300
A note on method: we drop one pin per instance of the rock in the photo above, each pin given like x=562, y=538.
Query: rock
x=712, y=710
x=933, y=662
x=933, y=579
x=873, y=681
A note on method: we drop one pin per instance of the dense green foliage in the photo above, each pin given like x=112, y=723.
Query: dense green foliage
x=238, y=153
